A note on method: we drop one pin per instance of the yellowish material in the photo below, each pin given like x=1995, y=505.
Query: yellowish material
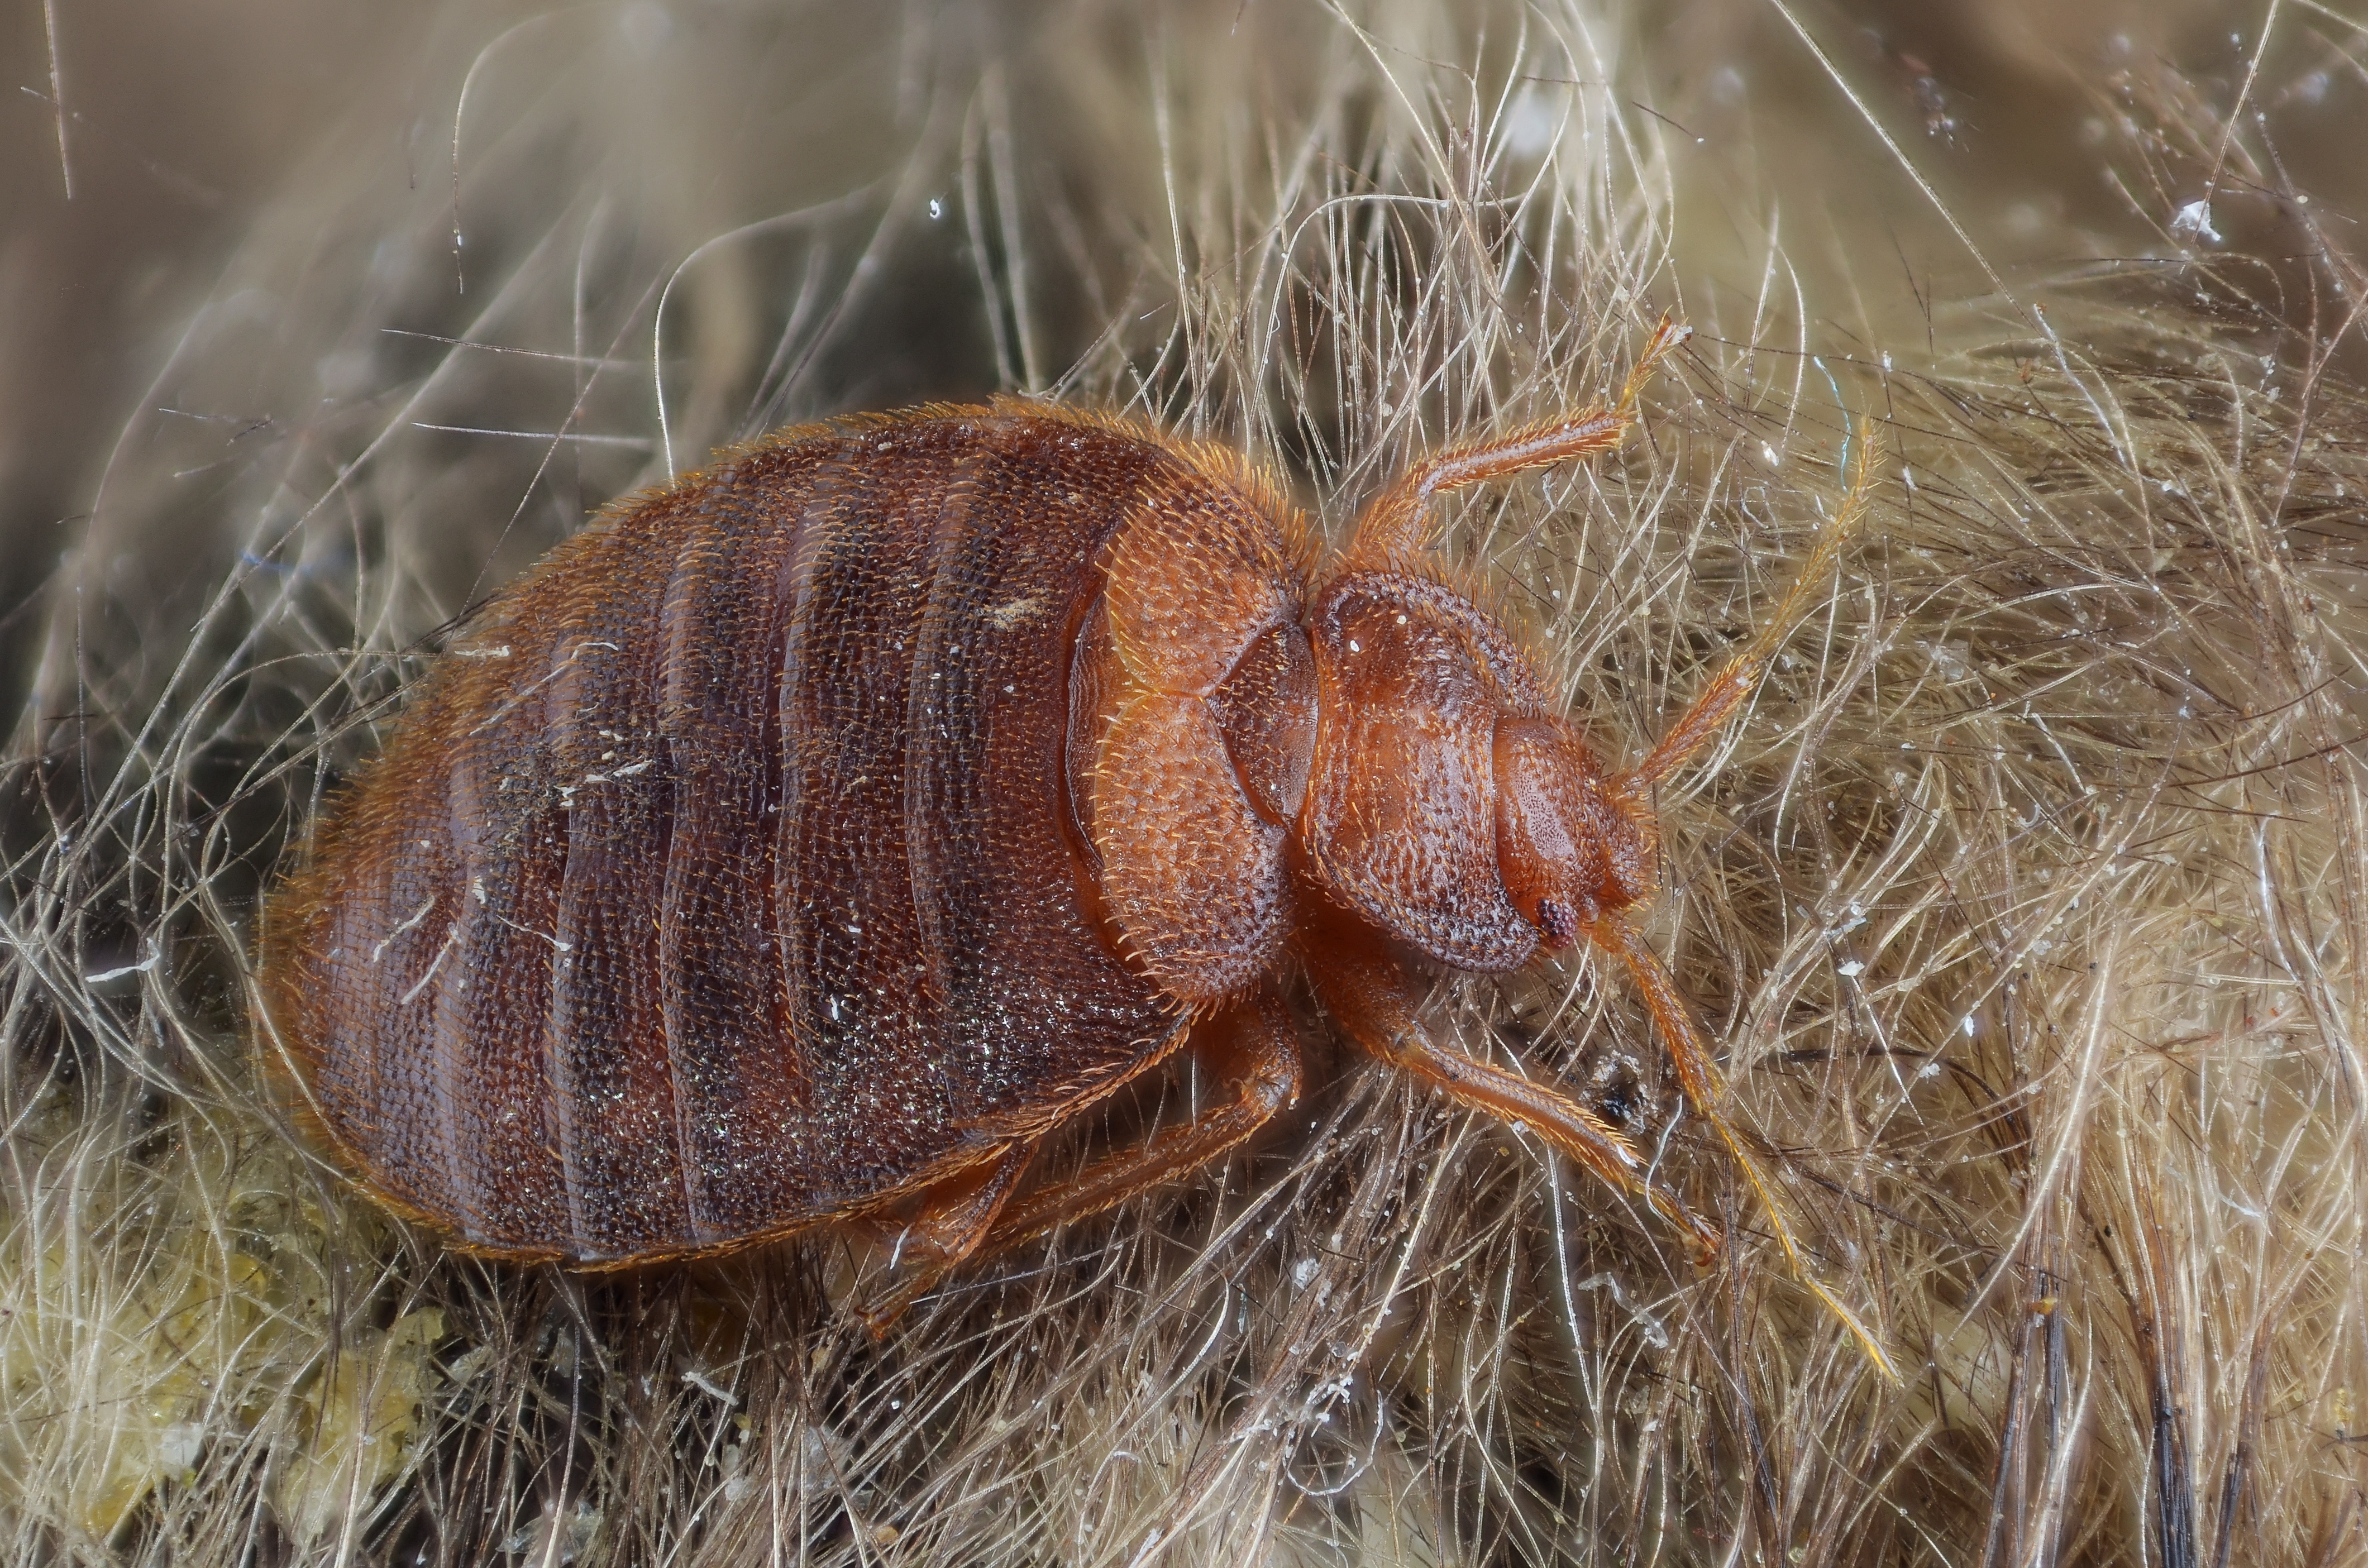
x=364, y=1409
x=130, y=1389
x=149, y=1329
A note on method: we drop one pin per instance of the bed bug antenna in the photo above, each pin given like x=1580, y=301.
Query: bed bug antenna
x=1690, y=1053
x=1689, y=1047
x=1727, y=689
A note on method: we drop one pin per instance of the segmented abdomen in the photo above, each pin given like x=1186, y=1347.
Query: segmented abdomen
x=726, y=878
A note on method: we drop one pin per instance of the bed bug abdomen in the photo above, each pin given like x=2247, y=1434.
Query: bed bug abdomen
x=730, y=875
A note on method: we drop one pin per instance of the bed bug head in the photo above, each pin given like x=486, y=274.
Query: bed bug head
x=1447, y=803
x=1573, y=845
x=1450, y=807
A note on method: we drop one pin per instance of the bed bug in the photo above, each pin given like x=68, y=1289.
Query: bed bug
x=810, y=839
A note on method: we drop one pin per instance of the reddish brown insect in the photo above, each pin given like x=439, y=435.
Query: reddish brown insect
x=829, y=828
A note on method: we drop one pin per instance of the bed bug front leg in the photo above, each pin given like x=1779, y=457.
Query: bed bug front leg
x=1397, y=524
x=1367, y=992
x=1736, y=680
x=1250, y=1044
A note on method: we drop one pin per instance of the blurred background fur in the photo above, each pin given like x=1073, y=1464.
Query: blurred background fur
x=2026, y=900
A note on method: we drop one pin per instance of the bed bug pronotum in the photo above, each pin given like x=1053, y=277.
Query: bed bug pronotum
x=811, y=840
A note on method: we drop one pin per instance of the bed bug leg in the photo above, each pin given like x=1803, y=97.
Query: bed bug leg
x=1250, y=1044
x=1364, y=990
x=955, y=1217
x=1690, y=1053
x=1397, y=523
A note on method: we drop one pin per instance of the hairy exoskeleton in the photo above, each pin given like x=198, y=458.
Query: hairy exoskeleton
x=809, y=841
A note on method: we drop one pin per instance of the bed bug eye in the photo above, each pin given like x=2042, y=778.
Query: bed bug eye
x=1558, y=921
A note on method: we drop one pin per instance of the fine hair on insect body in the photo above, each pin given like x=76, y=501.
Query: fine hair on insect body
x=811, y=842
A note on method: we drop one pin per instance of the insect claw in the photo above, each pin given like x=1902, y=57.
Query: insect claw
x=1708, y=1241
x=879, y=1314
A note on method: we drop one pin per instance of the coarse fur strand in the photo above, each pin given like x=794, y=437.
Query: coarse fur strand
x=2025, y=900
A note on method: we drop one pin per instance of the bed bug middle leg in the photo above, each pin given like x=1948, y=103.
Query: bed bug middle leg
x=1250, y=1044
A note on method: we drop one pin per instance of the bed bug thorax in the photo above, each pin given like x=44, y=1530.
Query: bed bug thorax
x=839, y=822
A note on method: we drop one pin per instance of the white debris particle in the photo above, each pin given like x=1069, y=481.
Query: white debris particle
x=103, y=976
x=2194, y=221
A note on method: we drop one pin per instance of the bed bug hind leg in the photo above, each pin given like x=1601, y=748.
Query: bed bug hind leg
x=1250, y=1044
x=955, y=1216
x=1366, y=992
